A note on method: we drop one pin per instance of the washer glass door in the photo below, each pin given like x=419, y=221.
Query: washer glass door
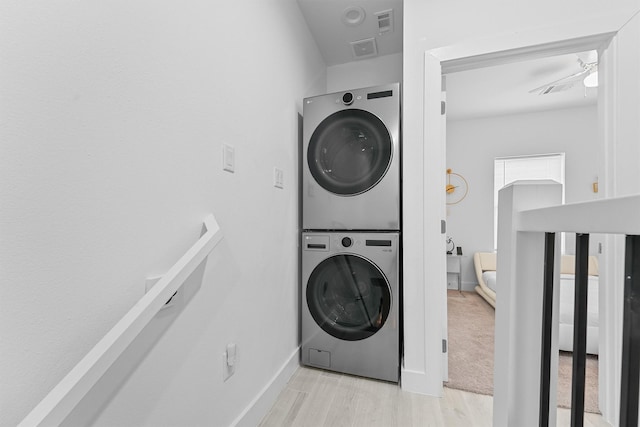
x=349, y=152
x=348, y=297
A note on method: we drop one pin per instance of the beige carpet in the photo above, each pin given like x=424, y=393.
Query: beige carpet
x=471, y=331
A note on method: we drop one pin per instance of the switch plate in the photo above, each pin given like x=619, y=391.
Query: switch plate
x=278, y=178
x=228, y=158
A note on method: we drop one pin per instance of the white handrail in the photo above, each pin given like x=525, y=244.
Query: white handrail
x=615, y=216
x=60, y=401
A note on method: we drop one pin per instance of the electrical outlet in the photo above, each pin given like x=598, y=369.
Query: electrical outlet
x=229, y=361
x=278, y=178
x=227, y=370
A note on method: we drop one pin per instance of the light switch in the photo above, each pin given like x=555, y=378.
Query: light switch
x=278, y=178
x=228, y=158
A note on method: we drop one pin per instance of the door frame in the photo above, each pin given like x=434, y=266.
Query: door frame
x=594, y=33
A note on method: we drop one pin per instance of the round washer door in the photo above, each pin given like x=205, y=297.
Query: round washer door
x=348, y=297
x=349, y=152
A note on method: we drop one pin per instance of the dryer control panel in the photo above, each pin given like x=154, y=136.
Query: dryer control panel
x=316, y=243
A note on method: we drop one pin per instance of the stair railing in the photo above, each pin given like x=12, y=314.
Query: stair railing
x=525, y=381
x=64, y=397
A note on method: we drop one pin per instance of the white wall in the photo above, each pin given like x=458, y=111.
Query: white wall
x=364, y=73
x=112, y=119
x=427, y=26
x=472, y=146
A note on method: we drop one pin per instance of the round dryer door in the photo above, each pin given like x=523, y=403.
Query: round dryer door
x=349, y=152
x=348, y=297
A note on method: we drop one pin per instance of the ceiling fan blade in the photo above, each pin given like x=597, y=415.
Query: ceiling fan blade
x=547, y=89
x=561, y=84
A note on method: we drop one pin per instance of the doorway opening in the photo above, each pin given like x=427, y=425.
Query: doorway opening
x=472, y=144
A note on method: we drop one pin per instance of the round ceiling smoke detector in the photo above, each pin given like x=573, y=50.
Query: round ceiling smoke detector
x=353, y=16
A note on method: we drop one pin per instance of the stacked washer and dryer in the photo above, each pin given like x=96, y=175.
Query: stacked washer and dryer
x=351, y=232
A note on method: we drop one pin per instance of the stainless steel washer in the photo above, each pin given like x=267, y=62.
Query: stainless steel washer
x=350, y=303
x=351, y=164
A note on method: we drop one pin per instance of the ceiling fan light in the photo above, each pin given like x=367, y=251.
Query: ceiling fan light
x=591, y=80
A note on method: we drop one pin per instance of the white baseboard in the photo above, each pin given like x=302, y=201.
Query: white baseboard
x=262, y=403
x=466, y=286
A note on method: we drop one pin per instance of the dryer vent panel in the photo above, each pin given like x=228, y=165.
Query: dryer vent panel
x=385, y=21
x=364, y=48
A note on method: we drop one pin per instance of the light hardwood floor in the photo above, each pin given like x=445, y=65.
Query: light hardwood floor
x=316, y=398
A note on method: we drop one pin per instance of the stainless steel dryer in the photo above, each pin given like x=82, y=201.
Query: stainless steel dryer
x=350, y=303
x=351, y=162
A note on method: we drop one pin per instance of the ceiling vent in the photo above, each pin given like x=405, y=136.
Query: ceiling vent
x=385, y=21
x=364, y=48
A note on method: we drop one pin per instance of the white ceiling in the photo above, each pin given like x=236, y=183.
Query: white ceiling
x=333, y=37
x=504, y=89
x=497, y=90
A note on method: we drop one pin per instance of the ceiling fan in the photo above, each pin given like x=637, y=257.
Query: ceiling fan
x=565, y=83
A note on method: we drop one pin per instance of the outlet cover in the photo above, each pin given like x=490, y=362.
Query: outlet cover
x=278, y=178
x=227, y=370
